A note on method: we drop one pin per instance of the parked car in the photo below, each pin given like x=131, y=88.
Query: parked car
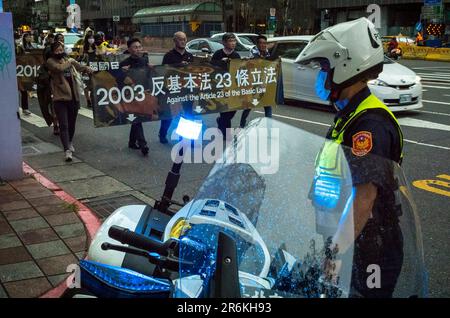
x=397, y=86
x=70, y=39
x=203, y=47
x=247, y=40
x=206, y=47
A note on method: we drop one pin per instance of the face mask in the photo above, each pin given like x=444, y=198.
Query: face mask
x=91, y=41
x=59, y=56
x=321, y=91
x=341, y=104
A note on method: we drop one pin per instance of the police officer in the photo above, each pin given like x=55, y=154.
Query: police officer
x=369, y=136
x=177, y=56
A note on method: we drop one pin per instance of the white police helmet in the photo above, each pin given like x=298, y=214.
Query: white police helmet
x=353, y=50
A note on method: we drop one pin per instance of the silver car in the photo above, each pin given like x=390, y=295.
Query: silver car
x=397, y=86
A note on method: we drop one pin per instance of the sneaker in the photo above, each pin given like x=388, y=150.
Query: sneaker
x=145, y=150
x=69, y=156
x=26, y=112
x=71, y=147
x=163, y=140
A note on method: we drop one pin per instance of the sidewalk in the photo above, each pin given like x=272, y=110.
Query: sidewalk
x=41, y=233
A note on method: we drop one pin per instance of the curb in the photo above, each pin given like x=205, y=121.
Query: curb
x=89, y=219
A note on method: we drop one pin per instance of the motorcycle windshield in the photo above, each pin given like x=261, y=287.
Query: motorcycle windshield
x=302, y=217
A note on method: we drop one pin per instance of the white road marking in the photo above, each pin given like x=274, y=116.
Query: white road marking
x=86, y=112
x=430, y=68
x=34, y=120
x=435, y=102
x=298, y=119
x=328, y=125
x=440, y=87
x=434, y=113
x=426, y=145
x=435, y=74
x=412, y=122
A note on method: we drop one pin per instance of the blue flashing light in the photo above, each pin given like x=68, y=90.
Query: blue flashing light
x=327, y=191
x=124, y=279
x=189, y=129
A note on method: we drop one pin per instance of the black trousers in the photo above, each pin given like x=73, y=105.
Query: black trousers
x=46, y=105
x=165, y=125
x=382, y=246
x=246, y=113
x=137, y=135
x=24, y=100
x=67, y=113
x=224, y=122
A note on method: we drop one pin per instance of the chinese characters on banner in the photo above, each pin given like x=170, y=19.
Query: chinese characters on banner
x=122, y=96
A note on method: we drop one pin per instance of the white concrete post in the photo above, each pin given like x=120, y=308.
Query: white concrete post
x=10, y=133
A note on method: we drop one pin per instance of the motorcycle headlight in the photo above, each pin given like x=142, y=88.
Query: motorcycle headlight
x=418, y=79
x=377, y=82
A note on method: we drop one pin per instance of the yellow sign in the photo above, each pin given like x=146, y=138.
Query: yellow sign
x=435, y=186
x=195, y=25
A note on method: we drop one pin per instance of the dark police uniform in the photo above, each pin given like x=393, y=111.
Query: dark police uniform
x=137, y=131
x=373, y=141
x=173, y=57
x=224, y=121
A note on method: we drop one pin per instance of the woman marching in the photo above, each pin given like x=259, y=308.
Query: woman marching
x=66, y=94
x=26, y=46
x=88, y=54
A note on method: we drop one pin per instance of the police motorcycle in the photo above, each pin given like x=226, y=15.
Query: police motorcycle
x=270, y=220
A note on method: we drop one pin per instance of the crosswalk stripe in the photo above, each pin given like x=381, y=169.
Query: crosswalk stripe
x=86, y=112
x=34, y=119
x=434, y=102
x=441, y=87
x=412, y=122
x=38, y=121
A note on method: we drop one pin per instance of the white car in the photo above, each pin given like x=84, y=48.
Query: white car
x=70, y=39
x=397, y=86
x=247, y=40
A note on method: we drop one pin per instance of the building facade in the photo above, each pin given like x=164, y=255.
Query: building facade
x=395, y=16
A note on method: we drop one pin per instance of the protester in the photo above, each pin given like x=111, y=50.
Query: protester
x=176, y=56
x=66, y=96
x=25, y=47
x=88, y=54
x=137, y=59
x=221, y=59
x=44, y=90
x=260, y=51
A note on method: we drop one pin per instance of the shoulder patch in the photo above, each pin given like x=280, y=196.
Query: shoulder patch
x=362, y=143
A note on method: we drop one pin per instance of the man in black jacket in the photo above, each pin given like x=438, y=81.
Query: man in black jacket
x=177, y=56
x=136, y=60
x=221, y=59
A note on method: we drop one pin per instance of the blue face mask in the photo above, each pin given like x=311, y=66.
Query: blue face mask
x=340, y=104
x=321, y=91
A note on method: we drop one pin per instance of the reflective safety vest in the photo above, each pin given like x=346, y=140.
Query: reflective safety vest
x=332, y=190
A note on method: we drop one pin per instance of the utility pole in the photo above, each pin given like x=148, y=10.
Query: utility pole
x=286, y=5
x=224, y=15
